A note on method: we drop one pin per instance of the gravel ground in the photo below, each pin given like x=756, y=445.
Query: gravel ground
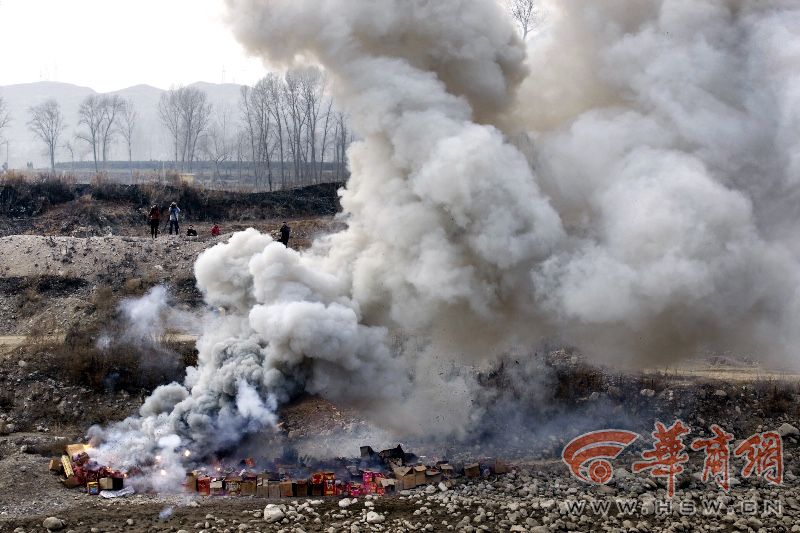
x=534, y=498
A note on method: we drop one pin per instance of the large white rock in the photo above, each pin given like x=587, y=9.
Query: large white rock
x=53, y=524
x=374, y=518
x=788, y=430
x=345, y=503
x=273, y=514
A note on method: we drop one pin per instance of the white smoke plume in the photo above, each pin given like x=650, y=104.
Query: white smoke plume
x=657, y=220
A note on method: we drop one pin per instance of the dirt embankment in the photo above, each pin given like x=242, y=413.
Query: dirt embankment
x=51, y=207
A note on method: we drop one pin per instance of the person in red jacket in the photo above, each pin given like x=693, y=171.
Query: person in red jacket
x=155, y=219
x=215, y=230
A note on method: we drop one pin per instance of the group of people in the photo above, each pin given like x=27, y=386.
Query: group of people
x=154, y=218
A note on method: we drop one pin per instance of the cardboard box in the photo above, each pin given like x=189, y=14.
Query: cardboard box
x=419, y=474
x=406, y=479
x=274, y=490
x=472, y=470
x=233, y=485
x=262, y=486
x=75, y=449
x=389, y=485
x=93, y=488
x=432, y=476
x=72, y=482
x=106, y=483
x=286, y=489
x=217, y=487
x=55, y=466
x=328, y=484
x=204, y=485
x=66, y=462
x=300, y=488
x=190, y=483
x=248, y=487
x=447, y=471
x=500, y=467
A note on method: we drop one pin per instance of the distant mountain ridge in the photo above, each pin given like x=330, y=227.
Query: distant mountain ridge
x=150, y=140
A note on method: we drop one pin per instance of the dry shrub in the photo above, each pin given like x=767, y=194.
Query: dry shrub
x=776, y=397
x=133, y=287
x=41, y=331
x=104, y=301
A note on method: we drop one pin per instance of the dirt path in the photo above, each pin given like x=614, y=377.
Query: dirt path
x=9, y=342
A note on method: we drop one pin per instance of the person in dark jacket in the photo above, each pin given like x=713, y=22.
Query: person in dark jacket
x=155, y=219
x=191, y=232
x=285, y=232
x=174, y=217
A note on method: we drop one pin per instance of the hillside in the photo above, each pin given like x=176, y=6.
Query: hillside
x=150, y=141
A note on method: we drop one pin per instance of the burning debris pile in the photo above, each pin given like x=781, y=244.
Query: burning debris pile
x=377, y=473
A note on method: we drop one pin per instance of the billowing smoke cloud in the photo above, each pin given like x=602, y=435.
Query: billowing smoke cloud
x=657, y=218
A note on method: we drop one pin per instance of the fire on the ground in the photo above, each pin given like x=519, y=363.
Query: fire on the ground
x=379, y=473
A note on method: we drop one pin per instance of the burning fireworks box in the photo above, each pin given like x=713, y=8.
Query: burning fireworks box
x=233, y=485
x=419, y=475
x=355, y=489
x=328, y=484
x=406, y=478
x=93, y=488
x=217, y=487
x=472, y=470
x=190, y=483
x=286, y=488
x=204, y=485
x=317, y=486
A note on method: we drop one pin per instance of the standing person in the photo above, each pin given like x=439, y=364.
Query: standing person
x=155, y=219
x=174, y=216
x=215, y=230
x=285, y=232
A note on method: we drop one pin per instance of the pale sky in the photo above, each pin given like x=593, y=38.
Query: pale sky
x=113, y=44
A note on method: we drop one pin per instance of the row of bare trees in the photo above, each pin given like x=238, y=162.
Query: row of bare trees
x=185, y=112
x=290, y=129
x=101, y=119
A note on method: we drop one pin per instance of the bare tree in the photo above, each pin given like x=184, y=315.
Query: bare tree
x=526, y=13
x=195, y=115
x=90, y=115
x=47, y=123
x=71, y=149
x=169, y=110
x=112, y=107
x=217, y=143
x=127, y=127
x=5, y=117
